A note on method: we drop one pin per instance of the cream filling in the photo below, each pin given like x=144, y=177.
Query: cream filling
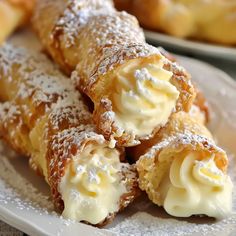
x=143, y=98
x=196, y=187
x=92, y=187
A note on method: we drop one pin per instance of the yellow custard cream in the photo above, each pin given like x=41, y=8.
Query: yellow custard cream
x=91, y=187
x=196, y=187
x=144, y=98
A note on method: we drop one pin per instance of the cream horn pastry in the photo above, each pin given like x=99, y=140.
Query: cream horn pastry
x=185, y=172
x=128, y=80
x=44, y=117
x=13, y=13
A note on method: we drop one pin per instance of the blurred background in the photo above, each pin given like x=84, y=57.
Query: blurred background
x=200, y=29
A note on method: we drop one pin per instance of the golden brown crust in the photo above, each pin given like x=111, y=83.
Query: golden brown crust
x=44, y=117
x=179, y=124
x=70, y=37
x=183, y=134
x=66, y=32
x=168, y=149
x=201, y=102
x=103, y=115
x=13, y=129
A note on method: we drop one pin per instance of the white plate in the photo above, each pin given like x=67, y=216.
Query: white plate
x=189, y=46
x=25, y=199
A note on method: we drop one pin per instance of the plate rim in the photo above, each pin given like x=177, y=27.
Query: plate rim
x=21, y=224
x=224, y=75
x=186, y=45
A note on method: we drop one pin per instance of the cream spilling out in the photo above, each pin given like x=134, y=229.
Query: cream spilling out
x=144, y=98
x=193, y=187
x=92, y=185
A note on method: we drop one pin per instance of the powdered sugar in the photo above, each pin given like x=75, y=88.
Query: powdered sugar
x=25, y=192
x=15, y=188
x=143, y=223
x=57, y=123
x=186, y=138
x=73, y=19
x=150, y=220
x=37, y=75
x=149, y=225
x=93, y=38
x=19, y=191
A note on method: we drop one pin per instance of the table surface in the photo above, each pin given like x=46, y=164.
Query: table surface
x=227, y=66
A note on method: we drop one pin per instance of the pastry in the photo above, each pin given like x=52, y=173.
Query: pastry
x=185, y=172
x=44, y=117
x=13, y=13
x=199, y=111
x=200, y=108
x=128, y=80
x=212, y=20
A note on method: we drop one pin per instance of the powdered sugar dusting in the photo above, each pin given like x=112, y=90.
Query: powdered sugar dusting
x=18, y=191
x=144, y=223
x=15, y=188
x=59, y=125
x=42, y=94
x=185, y=138
x=73, y=18
x=93, y=38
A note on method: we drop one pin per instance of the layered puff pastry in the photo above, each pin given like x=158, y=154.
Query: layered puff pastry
x=43, y=117
x=13, y=13
x=212, y=20
x=184, y=171
x=128, y=80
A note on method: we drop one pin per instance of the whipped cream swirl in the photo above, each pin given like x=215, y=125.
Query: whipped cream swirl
x=91, y=187
x=144, y=97
x=194, y=187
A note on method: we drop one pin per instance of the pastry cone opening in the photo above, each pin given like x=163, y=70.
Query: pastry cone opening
x=92, y=185
x=188, y=182
x=143, y=97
